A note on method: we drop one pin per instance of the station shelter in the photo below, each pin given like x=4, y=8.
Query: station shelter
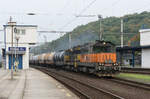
x=144, y=49
x=128, y=53
x=18, y=39
x=145, y=43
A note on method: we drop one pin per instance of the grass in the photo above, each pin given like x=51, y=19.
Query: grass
x=134, y=76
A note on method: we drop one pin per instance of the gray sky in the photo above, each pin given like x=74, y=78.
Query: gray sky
x=54, y=14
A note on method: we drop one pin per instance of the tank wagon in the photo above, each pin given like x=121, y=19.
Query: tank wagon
x=97, y=58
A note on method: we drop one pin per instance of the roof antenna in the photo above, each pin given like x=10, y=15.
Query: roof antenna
x=10, y=20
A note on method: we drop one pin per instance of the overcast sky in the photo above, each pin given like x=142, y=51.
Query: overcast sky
x=55, y=14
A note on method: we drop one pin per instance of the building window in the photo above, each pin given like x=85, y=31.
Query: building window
x=18, y=31
x=21, y=32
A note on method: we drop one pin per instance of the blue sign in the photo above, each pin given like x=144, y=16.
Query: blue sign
x=17, y=48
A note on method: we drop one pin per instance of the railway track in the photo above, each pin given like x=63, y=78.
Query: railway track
x=82, y=89
x=136, y=70
x=132, y=83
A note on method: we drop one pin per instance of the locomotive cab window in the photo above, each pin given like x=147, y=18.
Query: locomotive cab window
x=104, y=48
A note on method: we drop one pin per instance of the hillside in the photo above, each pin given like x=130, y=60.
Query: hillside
x=90, y=32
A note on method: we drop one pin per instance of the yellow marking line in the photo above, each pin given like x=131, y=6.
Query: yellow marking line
x=67, y=94
x=59, y=86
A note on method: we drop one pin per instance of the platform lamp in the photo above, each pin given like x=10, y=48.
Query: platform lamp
x=17, y=40
x=12, y=25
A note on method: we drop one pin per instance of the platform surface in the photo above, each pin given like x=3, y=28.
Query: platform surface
x=32, y=84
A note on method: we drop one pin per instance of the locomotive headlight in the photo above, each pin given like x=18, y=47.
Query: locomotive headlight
x=115, y=64
x=104, y=43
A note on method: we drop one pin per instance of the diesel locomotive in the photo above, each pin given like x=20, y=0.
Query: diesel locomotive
x=98, y=58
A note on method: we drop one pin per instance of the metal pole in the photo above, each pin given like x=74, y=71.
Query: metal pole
x=15, y=56
x=70, y=40
x=17, y=52
x=133, y=57
x=100, y=27
x=100, y=34
x=12, y=53
x=121, y=32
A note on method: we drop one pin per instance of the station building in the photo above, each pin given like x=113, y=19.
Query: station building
x=145, y=45
x=22, y=37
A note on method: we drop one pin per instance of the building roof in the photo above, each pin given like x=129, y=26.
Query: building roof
x=144, y=30
x=21, y=25
x=137, y=48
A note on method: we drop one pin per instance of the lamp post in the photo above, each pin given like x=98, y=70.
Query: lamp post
x=16, y=51
x=12, y=24
x=100, y=27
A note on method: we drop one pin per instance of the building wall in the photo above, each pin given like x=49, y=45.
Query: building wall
x=145, y=37
x=25, y=57
x=145, y=58
x=145, y=41
x=30, y=35
x=25, y=39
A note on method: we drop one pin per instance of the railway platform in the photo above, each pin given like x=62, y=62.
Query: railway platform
x=32, y=84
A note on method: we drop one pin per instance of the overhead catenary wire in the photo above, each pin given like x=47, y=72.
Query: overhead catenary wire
x=85, y=9
x=112, y=5
x=66, y=5
x=82, y=11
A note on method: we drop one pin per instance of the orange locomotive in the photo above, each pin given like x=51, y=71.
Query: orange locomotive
x=98, y=58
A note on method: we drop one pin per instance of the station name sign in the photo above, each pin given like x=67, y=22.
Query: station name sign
x=17, y=48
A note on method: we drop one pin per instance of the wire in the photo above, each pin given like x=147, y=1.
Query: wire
x=82, y=11
x=66, y=5
x=87, y=7
x=112, y=5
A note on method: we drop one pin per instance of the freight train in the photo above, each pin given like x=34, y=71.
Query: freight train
x=97, y=58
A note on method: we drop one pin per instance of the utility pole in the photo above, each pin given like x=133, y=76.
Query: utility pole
x=45, y=38
x=121, y=54
x=46, y=44
x=121, y=32
x=70, y=40
x=12, y=24
x=12, y=48
x=16, y=53
x=100, y=27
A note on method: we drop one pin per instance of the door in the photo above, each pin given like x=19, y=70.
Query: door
x=19, y=59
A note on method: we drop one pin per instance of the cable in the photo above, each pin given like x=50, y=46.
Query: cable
x=66, y=5
x=82, y=11
x=117, y=1
x=113, y=4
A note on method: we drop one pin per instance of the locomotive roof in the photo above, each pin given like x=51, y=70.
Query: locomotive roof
x=97, y=42
x=90, y=44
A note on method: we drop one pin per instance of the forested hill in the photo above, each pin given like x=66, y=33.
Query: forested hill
x=110, y=29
